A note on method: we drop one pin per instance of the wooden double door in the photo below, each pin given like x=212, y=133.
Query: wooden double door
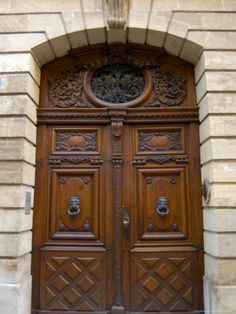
x=117, y=221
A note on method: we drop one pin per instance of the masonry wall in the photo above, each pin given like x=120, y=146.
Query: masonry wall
x=33, y=33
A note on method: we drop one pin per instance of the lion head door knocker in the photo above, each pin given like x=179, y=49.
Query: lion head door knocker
x=162, y=206
x=74, y=208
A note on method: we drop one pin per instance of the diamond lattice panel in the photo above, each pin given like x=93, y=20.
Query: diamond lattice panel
x=73, y=282
x=163, y=284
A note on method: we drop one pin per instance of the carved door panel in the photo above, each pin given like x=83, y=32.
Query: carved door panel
x=161, y=248
x=117, y=220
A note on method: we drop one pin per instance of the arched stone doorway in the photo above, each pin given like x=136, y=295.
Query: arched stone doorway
x=118, y=223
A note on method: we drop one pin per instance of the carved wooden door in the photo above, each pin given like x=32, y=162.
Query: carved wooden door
x=117, y=221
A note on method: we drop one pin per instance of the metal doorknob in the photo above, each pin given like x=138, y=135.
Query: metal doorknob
x=126, y=219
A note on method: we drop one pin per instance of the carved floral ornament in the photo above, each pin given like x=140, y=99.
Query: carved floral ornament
x=116, y=84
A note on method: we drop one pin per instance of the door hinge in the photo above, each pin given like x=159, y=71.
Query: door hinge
x=39, y=162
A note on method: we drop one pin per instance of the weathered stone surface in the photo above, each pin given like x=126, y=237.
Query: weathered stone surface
x=15, y=220
x=220, y=244
x=215, y=60
x=20, y=62
x=217, y=103
x=21, y=42
x=220, y=220
x=14, y=271
x=17, y=244
x=136, y=35
x=16, y=298
x=13, y=196
x=217, y=149
x=16, y=172
x=215, y=81
x=220, y=171
x=218, y=126
x=18, y=127
x=219, y=299
x=17, y=149
x=19, y=83
x=18, y=105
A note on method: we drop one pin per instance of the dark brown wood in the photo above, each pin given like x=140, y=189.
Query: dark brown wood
x=117, y=219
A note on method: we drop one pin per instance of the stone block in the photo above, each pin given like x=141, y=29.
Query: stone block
x=14, y=271
x=19, y=83
x=220, y=171
x=60, y=45
x=17, y=149
x=65, y=6
x=77, y=39
x=43, y=53
x=191, y=51
x=30, y=6
x=200, y=5
x=18, y=127
x=220, y=271
x=217, y=149
x=17, y=244
x=223, y=195
x=155, y=38
x=136, y=35
x=140, y=7
x=73, y=21
x=218, y=126
x=220, y=245
x=96, y=36
x=18, y=105
x=137, y=21
x=16, y=172
x=219, y=299
x=4, y=6
x=21, y=42
x=159, y=20
x=229, y=5
x=215, y=60
x=173, y=44
x=116, y=35
x=13, y=196
x=165, y=5
x=218, y=103
x=215, y=81
x=213, y=39
x=94, y=20
x=16, y=298
x=15, y=220
x=220, y=220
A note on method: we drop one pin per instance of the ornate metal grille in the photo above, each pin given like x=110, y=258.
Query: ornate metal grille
x=117, y=83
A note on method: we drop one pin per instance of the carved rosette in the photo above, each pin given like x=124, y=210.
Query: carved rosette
x=170, y=90
x=65, y=91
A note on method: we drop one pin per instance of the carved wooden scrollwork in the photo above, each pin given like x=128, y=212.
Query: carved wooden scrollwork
x=76, y=141
x=159, y=141
x=170, y=90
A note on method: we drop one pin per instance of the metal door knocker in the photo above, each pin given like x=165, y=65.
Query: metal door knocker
x=162, y=208
x=74, y=208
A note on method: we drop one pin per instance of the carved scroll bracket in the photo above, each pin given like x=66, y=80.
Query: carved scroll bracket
x=116, y=18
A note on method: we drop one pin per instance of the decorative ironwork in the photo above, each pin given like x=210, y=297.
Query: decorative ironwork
x=159, y=141
x=65, y=91
x=170, y=90
x=162, y=208
x=76, y=141
x=206, y=190
x=74, y=208
x=117, y=83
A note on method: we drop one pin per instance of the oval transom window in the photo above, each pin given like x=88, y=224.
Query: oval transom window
x=117, y=83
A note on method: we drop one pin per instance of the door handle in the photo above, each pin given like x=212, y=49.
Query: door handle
x=126, y=219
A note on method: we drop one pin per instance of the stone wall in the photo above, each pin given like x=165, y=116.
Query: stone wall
x=33, y=33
